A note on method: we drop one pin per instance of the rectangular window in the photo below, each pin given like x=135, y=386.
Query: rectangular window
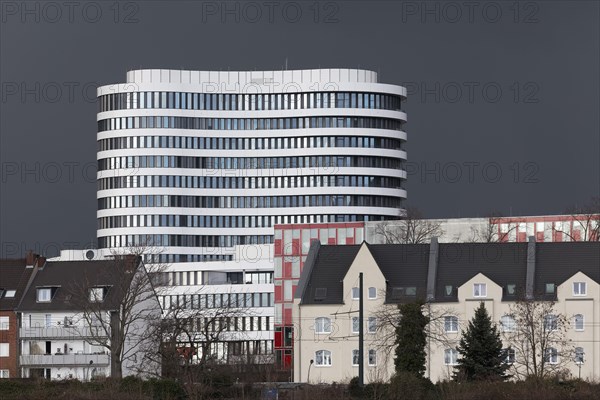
x=372, y=325
x=372, y=357
x=479, y=290
x=4, y=350
x=355, y=325
x=96, y=295
x=450, y=357
x=44, y=294
x=355, y=293
x=579, y=289
x=4, y=323
x=372, y=293
x=355, y=357
x=4, y=374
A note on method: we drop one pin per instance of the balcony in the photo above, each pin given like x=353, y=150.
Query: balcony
x=64, y=360
x=59, y=332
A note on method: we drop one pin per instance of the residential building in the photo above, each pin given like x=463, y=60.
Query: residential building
x=292, y=243
x=15, y=275
x=73, y=310
x=452, y=279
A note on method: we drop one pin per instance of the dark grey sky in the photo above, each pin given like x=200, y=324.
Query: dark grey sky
x=503, y=105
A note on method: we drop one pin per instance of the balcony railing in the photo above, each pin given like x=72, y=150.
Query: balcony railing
x=64, y=359
x=62, y=332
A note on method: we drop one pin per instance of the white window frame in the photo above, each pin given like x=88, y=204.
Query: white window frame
x=480, y=290
x=579, y=351
x=4, y=349
x=4, y=323
x=355, y=293
x=450, y=357
x=508, y=323
x=96, y=295
x=354, y=324
x=44, y=299
x=4, y=373
x=325, y=358
x=372, y=293
x=550, y=322
x=579, y=289
x=551, y=356
x=511, y=356
x=321, y=323
x=372, y=325
x=451, y=321
x=355, y=355
x=575, y=322
x=372, y=353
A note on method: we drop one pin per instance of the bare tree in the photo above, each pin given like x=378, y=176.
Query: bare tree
x=115, y=307
x=496, y=229
x=536, y=334
x=586, y=221
x=412, y=229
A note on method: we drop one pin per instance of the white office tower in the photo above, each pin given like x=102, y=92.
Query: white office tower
x=202, y=164
x=197, y=162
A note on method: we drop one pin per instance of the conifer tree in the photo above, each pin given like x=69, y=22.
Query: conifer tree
x=480, y=349
x=411, y=339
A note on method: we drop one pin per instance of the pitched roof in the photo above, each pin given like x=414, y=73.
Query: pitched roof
x=504, y=263
x=75, y=278
x=14, y=275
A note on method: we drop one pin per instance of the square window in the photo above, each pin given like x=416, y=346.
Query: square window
x=579, y=289
x=96, y=295
x=451, y=324
x=4, y=374
x=44, y=295
x=550, y=288
x=479, y=290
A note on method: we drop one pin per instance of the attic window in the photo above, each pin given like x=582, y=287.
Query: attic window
x=320, y=294
x=10, y=293
x=550, y=288
x=44, y=295
x=399, y=292
x=448, y=289
x=511, y=289
x=97, y=294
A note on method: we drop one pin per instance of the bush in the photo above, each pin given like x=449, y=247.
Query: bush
x=406, y=385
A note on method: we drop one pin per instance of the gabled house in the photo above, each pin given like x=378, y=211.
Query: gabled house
x=15, y=275
x=85, y=319
x=451, y=280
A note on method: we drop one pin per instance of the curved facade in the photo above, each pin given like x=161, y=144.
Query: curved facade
x=198, y=162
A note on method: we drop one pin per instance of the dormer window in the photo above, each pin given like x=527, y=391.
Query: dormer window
x=511, y=289
x=97, y=294
x=550, y=288
x=44, y=295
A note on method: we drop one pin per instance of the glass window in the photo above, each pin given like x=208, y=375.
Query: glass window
x=451, y=323
x=96, y=295
x=322, y=325
x=450, y=357
x=372, y=293
x=550, y=322
x=479, y=290
x=355, y=357
x=44, y=294
x=372, y=357
x=355, y=325
x=579, y=355
x=578, y=322
x=323, y=358
x=579, y=289
x=551, y=355
x=355, y=293
x=508, y=323
x=509, y=355
x=372, y=325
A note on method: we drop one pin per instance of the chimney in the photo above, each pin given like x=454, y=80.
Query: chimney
x=530, y=282
x=30, y=259
x=432, y=270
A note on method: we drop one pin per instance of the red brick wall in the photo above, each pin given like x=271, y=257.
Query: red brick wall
x=10, y=336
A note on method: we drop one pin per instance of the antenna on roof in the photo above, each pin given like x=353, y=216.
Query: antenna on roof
x=286, y=67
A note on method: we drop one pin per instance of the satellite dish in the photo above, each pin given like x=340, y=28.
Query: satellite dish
x=90, y=254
